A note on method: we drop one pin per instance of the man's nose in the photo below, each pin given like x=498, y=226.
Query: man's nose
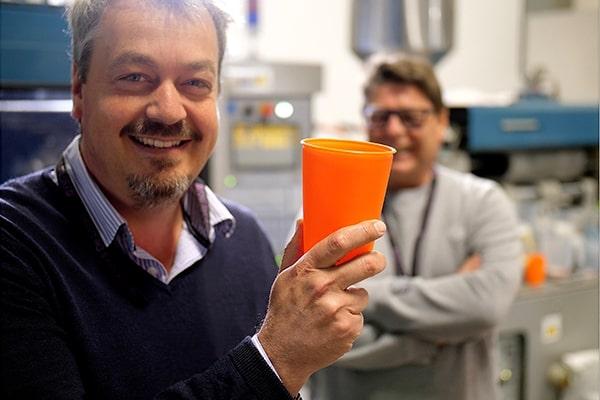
x=166, y=105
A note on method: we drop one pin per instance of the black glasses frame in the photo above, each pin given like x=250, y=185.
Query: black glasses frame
x=411, y=118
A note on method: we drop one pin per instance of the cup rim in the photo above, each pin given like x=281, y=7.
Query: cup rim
x=377, y=148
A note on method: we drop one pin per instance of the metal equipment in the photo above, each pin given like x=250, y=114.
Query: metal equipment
x=35, y=101
x=516, y=143
x=265, y=111
x=418, y=27
x=33, y=134
x=542, y=325
x=34, y=46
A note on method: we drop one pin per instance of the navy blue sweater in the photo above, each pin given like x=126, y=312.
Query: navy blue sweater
x=78, y=320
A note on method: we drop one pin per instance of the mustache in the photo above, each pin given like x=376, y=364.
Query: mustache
x=144, y=126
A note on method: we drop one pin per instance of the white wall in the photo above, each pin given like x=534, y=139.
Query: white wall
x=485, y=57
x=484, y=60
x=571, y=56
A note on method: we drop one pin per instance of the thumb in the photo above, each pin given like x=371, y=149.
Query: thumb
x=294, y=249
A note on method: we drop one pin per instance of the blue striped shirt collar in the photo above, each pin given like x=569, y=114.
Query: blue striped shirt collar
x=197, y=203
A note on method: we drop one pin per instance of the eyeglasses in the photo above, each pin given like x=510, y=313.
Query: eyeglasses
x=377, y=118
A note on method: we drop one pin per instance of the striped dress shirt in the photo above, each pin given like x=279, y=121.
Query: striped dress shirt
x=204, y=214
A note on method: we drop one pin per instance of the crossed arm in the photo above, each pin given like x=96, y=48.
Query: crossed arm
x=409, y=318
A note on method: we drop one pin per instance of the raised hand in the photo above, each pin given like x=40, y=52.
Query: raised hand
x=314, y=313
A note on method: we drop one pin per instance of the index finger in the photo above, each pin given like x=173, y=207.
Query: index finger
x=335, y=246
x=358, y=269
x=293, y=250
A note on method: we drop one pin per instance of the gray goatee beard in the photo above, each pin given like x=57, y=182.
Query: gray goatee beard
x=149, y=191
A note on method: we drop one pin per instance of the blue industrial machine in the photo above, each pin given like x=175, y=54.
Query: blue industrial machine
x=34, y=46
x=35, y=105
x=531, y=126
x=516, y=143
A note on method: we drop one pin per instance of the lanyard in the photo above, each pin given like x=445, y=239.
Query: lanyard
x=400, y=270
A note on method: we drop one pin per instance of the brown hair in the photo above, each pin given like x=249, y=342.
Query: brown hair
x=406, y=71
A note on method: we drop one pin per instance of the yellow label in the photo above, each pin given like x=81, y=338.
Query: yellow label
x=264, y=137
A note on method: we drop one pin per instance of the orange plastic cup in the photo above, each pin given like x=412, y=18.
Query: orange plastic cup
x=343, y=183
x=535, y=269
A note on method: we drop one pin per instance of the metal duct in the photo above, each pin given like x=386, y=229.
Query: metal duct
x=415, y=27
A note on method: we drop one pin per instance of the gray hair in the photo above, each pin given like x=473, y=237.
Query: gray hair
x=84, y=17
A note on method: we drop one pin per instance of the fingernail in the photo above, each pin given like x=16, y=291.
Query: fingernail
x=379, y=227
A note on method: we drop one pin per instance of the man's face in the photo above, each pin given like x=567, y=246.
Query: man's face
x=148, y=108
x=401, y=116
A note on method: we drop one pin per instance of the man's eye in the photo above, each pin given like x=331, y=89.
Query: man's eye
x=414, y=119
x=199, y=84
x=379, y=118
x=133, y=78
x=410, y=118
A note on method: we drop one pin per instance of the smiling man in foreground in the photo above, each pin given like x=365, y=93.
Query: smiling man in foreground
x=123, y=276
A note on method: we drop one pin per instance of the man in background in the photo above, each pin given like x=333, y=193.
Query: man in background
x=454, y=260
x=122, y=275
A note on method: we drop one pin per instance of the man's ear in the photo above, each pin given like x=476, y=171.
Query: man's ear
x=76, y=93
